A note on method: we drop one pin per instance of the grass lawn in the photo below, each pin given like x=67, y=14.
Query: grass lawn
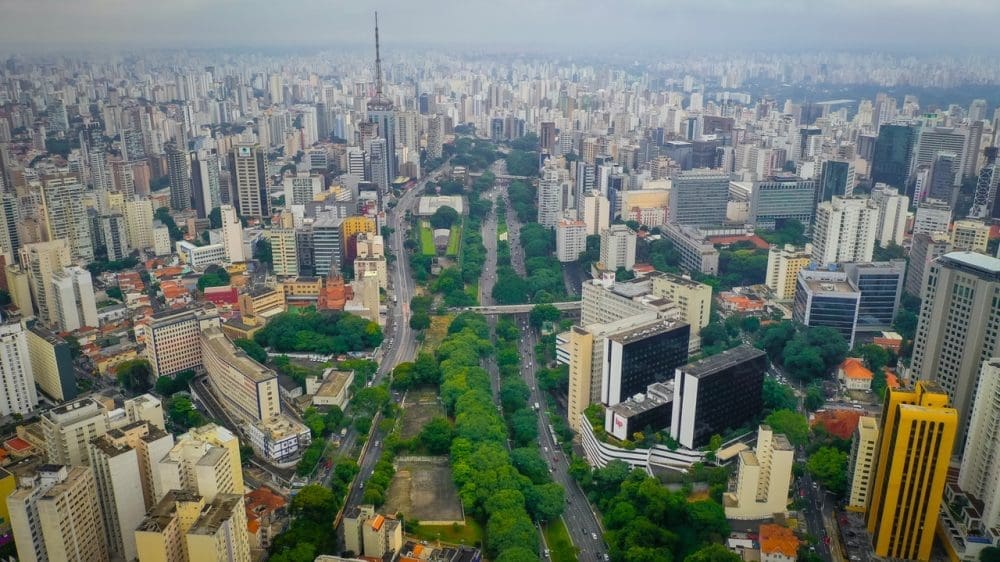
x=469, y=534
x=426, y=239
x=501, y=228
x=472, y=289
x=558, y=541
x=436, y=333
x=454, y=240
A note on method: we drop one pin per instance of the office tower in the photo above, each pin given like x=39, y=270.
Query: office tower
x=924, y=248
x=10, y=216
x=100, y=174
x=303, y=187
x=139, y=223
x=985, y=198
x=73, y=296
x=16, y=381
x=115, y=237
x=764, y=477
x=955, y=330
x=161, y=243
x=916, y=438
x=356, y=166
x=941, y=183
x=980, y=469
x=936, y=140
x=783, y=265
x=185, y=526
x=232, y=235
x=861, y=465
x=350, y=228
x=931, y=216
x=116, y=472
x=249, y=171
x=180, y=177
x=378, y=164
x=633, y=359
x=205, y=184
x=881, y=287
x=205, y=461
x=845, y=230
x=971, y=235
x=554, y=196
x=571, y=240
x=247, y=388
x=51, y=363
x=327, y=246
x=547, y=136
x=977, y=110
x=68, y=429
x=596, y=212
x=618, y=247
x=435, y=136
x=780, y=198
x=836, y=179
x=892, y=209
x=693, y=298
x=825, y=298
x=717, y=393
x=65, y=215
x=42, y=260
x=381, y=112
x=172, y=339
x=893, y=154
x=283, y=251
x=699, y=197
x=55, y=515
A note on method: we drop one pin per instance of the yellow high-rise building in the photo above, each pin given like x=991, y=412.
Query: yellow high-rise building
x=350, y=228
x=783, y=266
x=916, y=440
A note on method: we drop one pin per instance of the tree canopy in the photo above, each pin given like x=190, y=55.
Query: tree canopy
x=444, y=217
x=315, y=331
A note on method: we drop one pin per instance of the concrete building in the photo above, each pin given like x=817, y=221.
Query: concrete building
x=113, y=229
x=980, y=469
x=634, y=358
x=248, y=166
x=302, y=188
x=284, y=251
x=917, y=436
x=780, y=198
x=200, y=257
x=555, y=195
x=65, y=215
x=892, y=211
x=699, y=197
x=693, y=298
x=51, y=363
x=881, y=288
x=69, y=429
x=205, y=461
x=861, y=465
x=172, y=339
x=327, y=245
x=116, y=473
x=220, y=532
x=184, y=527
x=17, y=385
x=764, y=477
x=783, y=266
x=161, y=239
x=825, y=298
x=697, y=254
x=42, y=260
x=139, y=223
x=618, y=247
x=717, y=393
x=955, y=329
x=73, y=296
x=931, y=216
x=374, y=535
x=232, y=235
x=596, y=212
x=246, y=387
x=845, y=230
x=970, y=235
x=924, y=249
x=571, y=240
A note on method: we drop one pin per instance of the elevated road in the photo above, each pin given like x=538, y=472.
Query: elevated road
x=514, y=308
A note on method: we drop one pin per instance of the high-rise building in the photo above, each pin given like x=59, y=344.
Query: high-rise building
x=205, y=460
x=956, y=327
x=825, y=298
x=970, y=235
x=435, y=136
x=554, y=196
x=699, y=197
x=783, y=266
x=116, y=473
x=881, y=287
x=326, y=244
x=916, y=439
x=781, y=198
x=70, y=427
x=934, y=140
x=596, y=212
x=764, y=477
x=51, y=363
x=303, y=187
x=633, y=359
x=66, y=216
x=547, y=136
x=378, y=163
x=845, y=230
x=205, y=184
x=618, y=247
x=232, y=235
x=249, y=171
x=172, y=339
x=73, y=296
x=980, y=470
x=836, y=179
x=893, y=154
x=16, y=381
x=184, y=526
x=571, y=240
x=139, y=223
x=693, y=298
x=115, y=236
x=42, y=260
x=892, y=209
x=382, y=113
x=717, y=393
x=55, y=515
x=924, y=248
x=10, y=216
x=178, y=170
x=283, y=251
x=861, y=466
x=941, y=182
x=248, y=389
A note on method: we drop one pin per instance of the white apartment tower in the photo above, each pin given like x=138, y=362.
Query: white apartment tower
x=980, y=470
x=16, y=380
x=845, y=230
x=892, y=209
x=232, y=235
x=618, y=247
x=73, y=296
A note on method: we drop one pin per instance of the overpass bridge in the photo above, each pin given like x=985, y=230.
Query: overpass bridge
x=514, y=308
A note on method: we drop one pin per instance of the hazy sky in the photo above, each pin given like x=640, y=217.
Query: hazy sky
x=899, y=25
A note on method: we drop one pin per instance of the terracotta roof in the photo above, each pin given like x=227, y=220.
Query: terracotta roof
x=840, y=422
x=17, y=444
x=891, y=380
x=253, y=525
x=854, y=368
x=728, y=240
x=776, y=539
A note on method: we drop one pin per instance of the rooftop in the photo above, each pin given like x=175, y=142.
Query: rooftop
x=646, y=331
x=981, y=264
x=830, y=287
x=726, y=359
x=778, y=539
x=854, y=368
x=234, y=356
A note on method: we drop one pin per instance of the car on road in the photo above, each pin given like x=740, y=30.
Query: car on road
x=594, y=536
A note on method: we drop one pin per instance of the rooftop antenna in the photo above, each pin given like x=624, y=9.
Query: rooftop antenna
x=378, y=62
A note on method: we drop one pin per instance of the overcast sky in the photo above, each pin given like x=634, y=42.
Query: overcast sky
x=584, y=25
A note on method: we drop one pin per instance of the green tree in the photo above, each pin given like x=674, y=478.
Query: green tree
x=114, y=293
x=876, y=357
x=163, y=215
x=301, y=552
x=774, y=338
x=183, y=414
x=444, y=217
x=814, y=397
x=517, y=554
x=989, y=554
x=542, y=313
x=437, y=436
x=528, y=461
x=546, y=501
x=524, y=427
x=316, y=503
x=252, y=348
x=214, y=276
x=135, y=375
x=263, y=252
x=828, y=465
x=777, y=396
x=714, y=552
x=793, y=425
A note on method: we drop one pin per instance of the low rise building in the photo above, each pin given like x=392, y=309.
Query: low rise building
x=650, y=410
x=334, y=390
x=778, y=543
x=764, y=477
x=697, y=254
x=853, y=374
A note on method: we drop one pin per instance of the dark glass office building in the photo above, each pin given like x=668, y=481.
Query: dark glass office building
x=637, y=357
x=717, y=394
x=880, y=285
x=892, y=155
x=835, y=179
